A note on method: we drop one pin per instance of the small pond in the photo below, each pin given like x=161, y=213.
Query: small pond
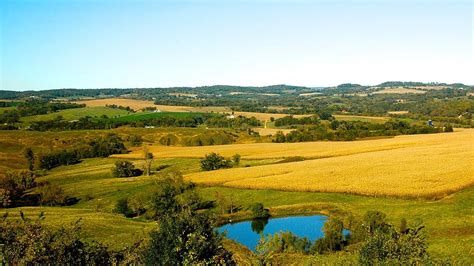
x=248, y=232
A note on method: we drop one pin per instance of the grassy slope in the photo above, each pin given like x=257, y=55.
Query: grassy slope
x=372, y=119
x=151, y=115
x=76, y=113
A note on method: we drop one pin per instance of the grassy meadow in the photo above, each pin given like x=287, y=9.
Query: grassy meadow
x=371, y=119
x=76, y=113
x=151, y=115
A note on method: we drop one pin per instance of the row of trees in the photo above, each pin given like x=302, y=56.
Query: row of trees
x=352, y=130
x=100, y=147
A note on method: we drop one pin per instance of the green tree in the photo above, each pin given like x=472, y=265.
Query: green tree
x=148, y=158
x=124, y=169
x=122, y=207
x=391, y=246
x=259, y=211
x=52, y=195
x=236, y=159
x=30, y=157
x=333, y=239
x=214, y=161
x=186, y=238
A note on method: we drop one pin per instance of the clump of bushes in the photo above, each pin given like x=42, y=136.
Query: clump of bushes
x=122, y=207
x=169, y=140
x=125, y=169
x=377, y=241
x=13, y=186
x=52, y=195
x=214, y=161
x=135, y=140
x=259, y=211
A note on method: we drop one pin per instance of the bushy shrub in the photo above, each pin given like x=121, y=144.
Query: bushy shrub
x=259, y=211
x=125, y=169
x=187, y=238
x=26, y=242
x=214, y=161
x=122, y=207
x=135, y=140
x=333, y=239
x=282, y=242
x=52, y=195
x=236, y=159
x=169, y=140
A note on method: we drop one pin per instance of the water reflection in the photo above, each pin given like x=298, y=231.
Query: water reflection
x=258, y=225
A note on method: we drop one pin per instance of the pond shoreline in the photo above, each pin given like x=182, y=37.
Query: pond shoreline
x=281, y=211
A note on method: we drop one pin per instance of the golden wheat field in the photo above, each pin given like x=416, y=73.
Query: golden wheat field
x=399, y=91
x=432, y=165
x=310, y=150
x=440, y=165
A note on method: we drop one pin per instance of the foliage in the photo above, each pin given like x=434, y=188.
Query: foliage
x=135, y=140
x=148, y=159
x=283, y=242
x=168, y=140
x=52, y=195
x=333, y=239
x=236, y=159
x=30, y=157
x=186, y=238
x=28, y=242
x=122, y=207
x=99, y=147
x=125, y=169
x=214, y=161
x=258, y=211
x=171, y=194
x=352, y=130
x=390, y=244
x=13, y=186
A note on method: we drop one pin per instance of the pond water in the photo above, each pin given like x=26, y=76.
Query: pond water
x=248, y=232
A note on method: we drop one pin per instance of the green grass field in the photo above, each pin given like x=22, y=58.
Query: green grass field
x=3, y=109
x=371, y=119
x=151, y=115
x=76, y=113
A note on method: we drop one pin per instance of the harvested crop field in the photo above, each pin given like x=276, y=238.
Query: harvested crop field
x=440, y=166
x=270, y=131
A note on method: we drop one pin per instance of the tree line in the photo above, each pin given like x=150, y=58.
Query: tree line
x=351, y=130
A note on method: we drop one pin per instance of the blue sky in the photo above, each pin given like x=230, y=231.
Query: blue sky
x=48, y=44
